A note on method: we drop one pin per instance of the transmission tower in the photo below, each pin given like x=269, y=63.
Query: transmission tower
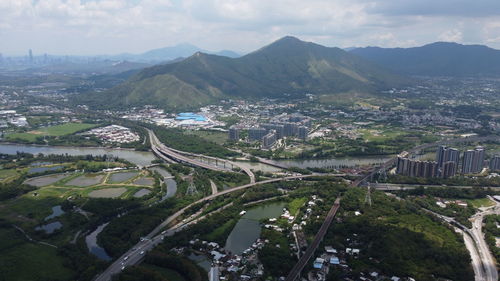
x=368, y=197
x=383, y=174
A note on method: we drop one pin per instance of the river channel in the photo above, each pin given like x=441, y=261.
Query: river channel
x=171, y=184
x=91, y=241
x=140, y=158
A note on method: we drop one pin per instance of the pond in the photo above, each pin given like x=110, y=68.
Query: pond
x=40, y=163
x=50, y=227
x=139, y=158
x=142, y=192
x=44, y=169
x=86, y=180
x=56, y=211
x=121, y=177
x=91, y=241
x=201, y=260
x=248, y=227
x=108, y=192
x=144, y=181
x=45, y=180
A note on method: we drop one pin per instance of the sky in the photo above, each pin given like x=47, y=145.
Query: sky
x=91, y=27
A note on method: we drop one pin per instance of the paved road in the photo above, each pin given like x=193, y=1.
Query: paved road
x=489, y=265
x=299, y=266
x=477, y=265
x=171, y=155
x=406, y=186
x=483, y=262
x=213, y=186
x=134, y=256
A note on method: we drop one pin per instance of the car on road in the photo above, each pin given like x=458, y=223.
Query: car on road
x=123, y=267
x=142, y=253
x=125, y=258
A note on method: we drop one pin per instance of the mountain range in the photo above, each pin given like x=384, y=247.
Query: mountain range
x=436, y=59
x=287, y=66
x=169, y=53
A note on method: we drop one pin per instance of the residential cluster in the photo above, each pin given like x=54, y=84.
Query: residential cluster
x=447, y=163
x=335, y=259
x=227, y=266
x=205, y=119
x=114, y=134
x=11, y=117
x=443, y=203
x=278, y=127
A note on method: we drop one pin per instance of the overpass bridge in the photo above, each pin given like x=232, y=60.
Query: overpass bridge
x=173, y=156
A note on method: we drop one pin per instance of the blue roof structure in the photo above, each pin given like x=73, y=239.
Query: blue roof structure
x=318, y=263
x=334, y=260
x=190, y=116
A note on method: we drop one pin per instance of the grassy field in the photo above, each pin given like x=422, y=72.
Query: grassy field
x=295, y=205
x=213, y=136
x=23, y=260
x=380, y=134
x=8, y=174
x=482, y=202
x=53, y=131
x=22, y=136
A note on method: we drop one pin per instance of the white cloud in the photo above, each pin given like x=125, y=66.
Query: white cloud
x=453, y=35
x=114, y=26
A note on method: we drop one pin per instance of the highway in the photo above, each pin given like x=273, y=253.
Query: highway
x=172, y=155
x=299, y=266
x=168, y=154
x=489, y=265
x=134, y=256
x=477, y=265
x=483, y=262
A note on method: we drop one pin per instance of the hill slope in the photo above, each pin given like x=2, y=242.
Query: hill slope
x=286, y=66
x=436, y=59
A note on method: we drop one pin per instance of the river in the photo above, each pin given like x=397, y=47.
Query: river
x=91, y=241
x=171, y=183
x=140, y=158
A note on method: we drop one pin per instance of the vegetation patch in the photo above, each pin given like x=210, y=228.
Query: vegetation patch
x=37, y=261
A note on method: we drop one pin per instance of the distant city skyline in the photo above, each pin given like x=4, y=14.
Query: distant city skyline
x=109, y=27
